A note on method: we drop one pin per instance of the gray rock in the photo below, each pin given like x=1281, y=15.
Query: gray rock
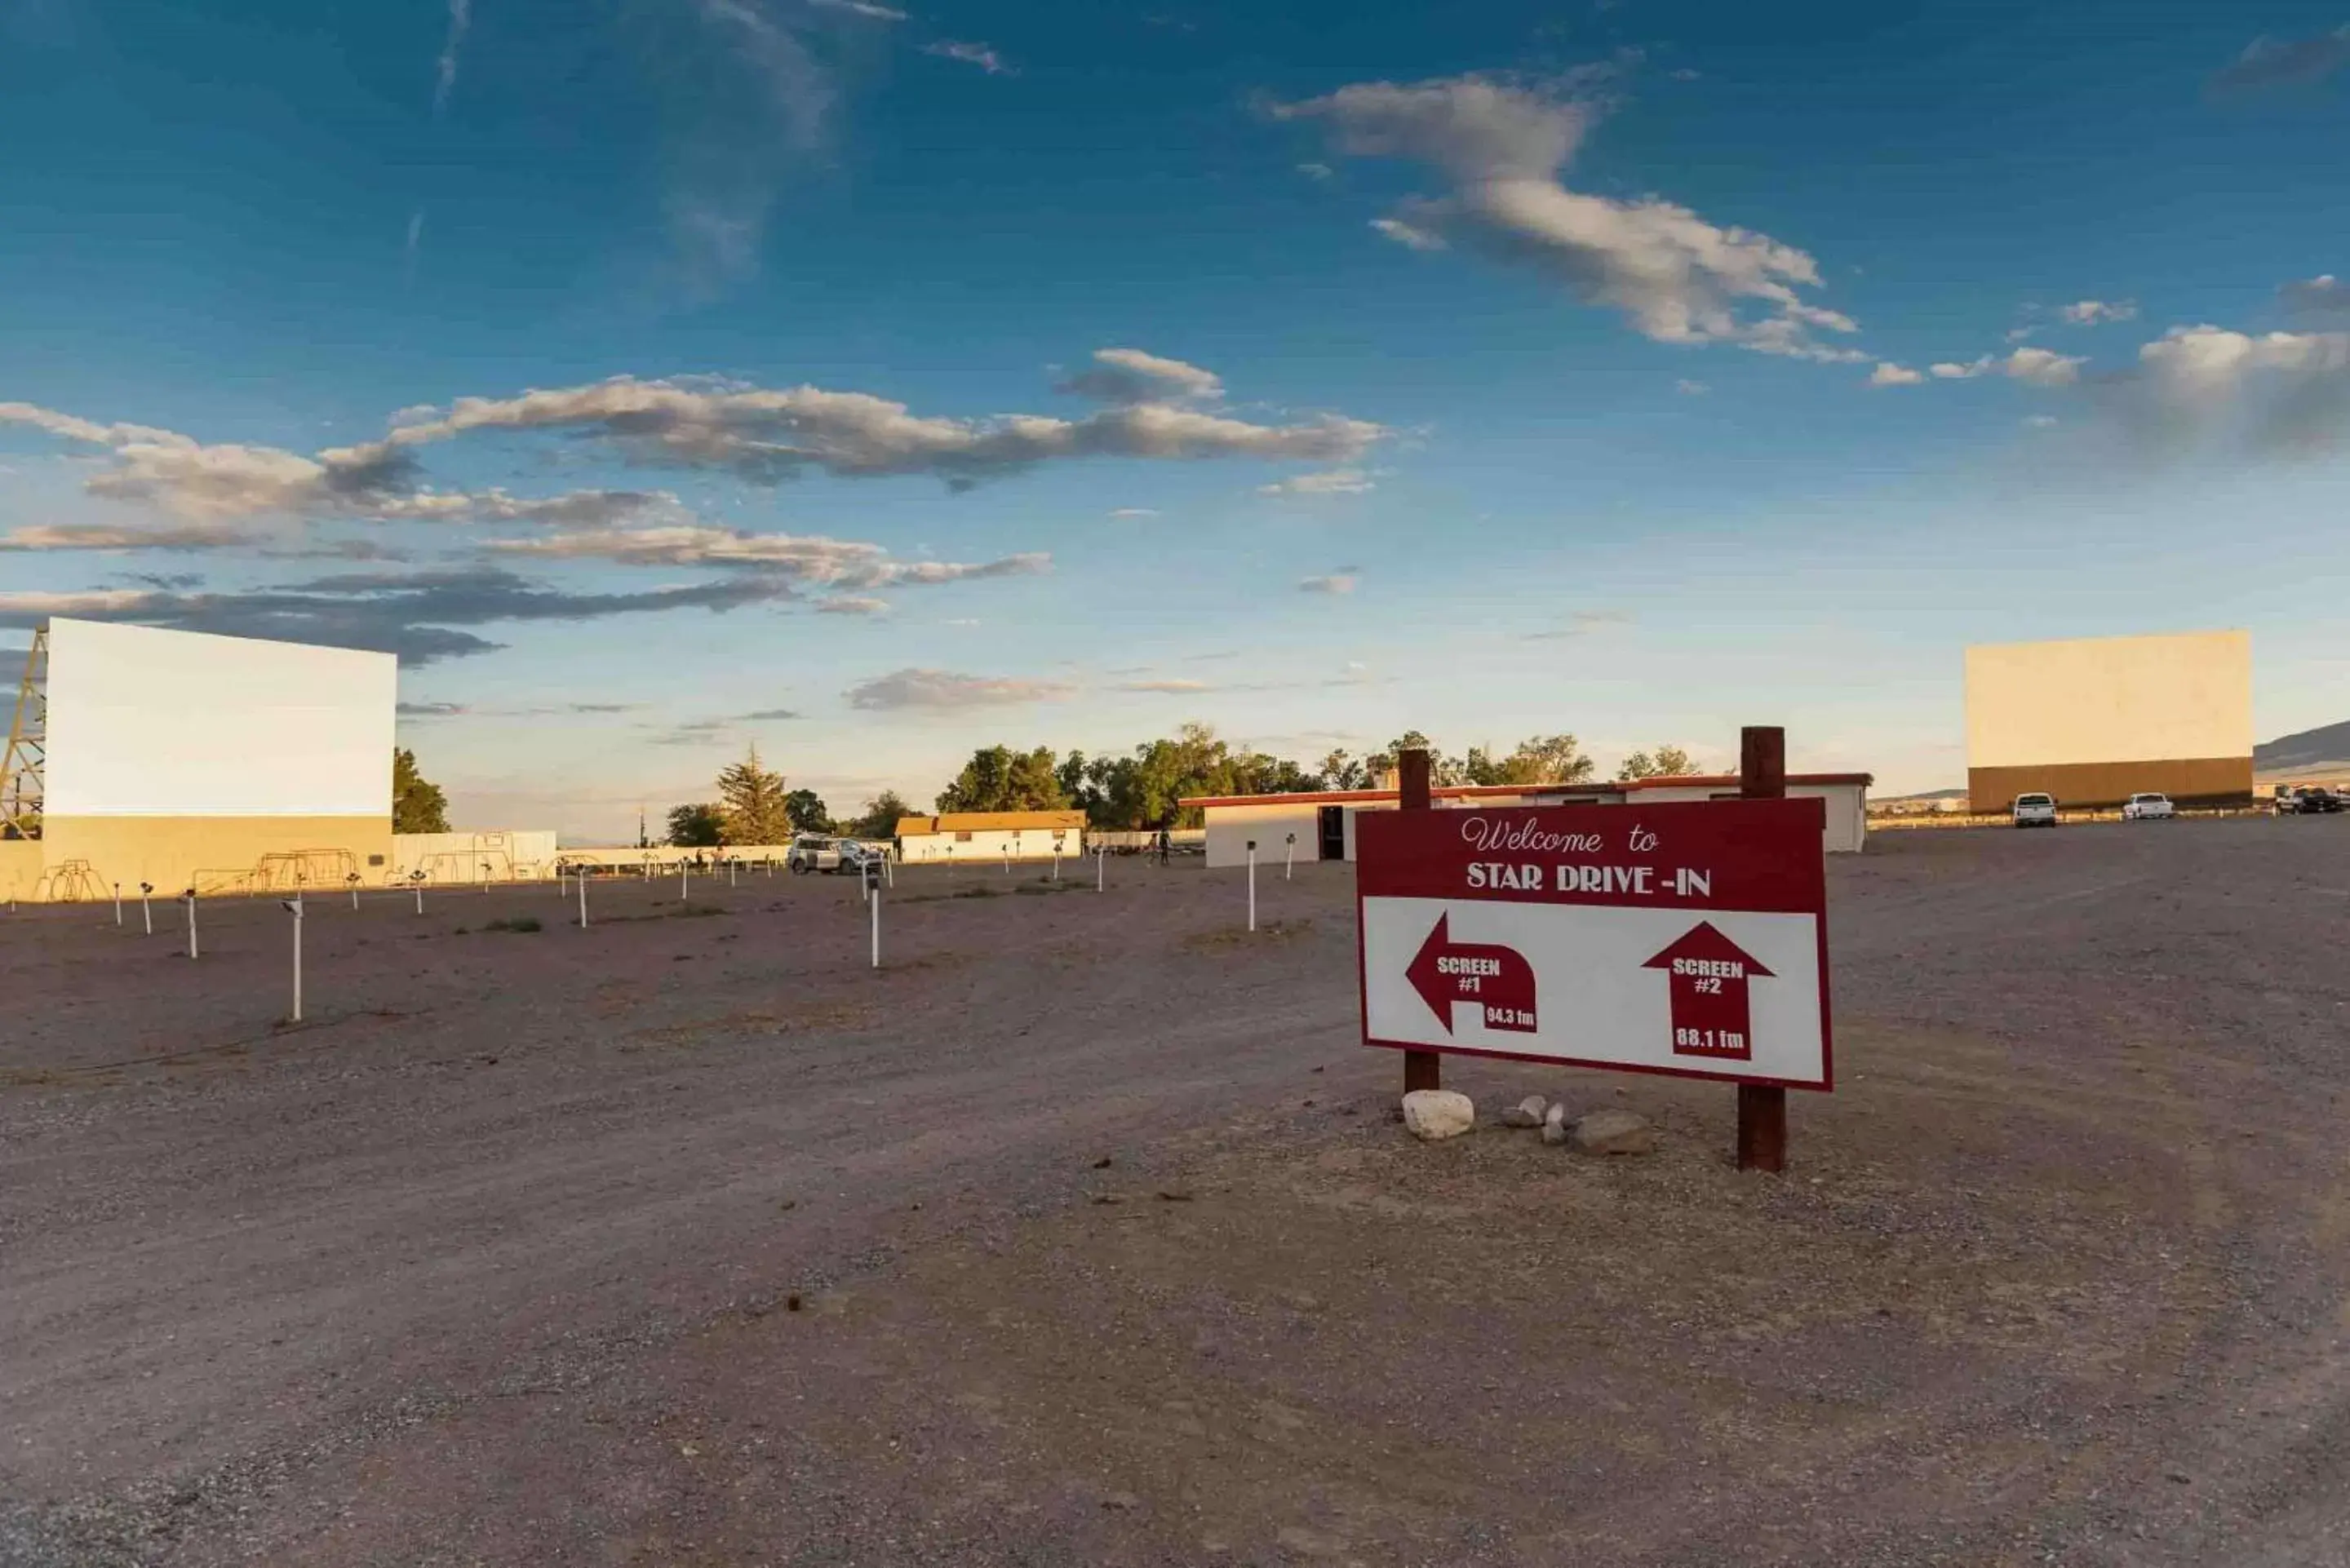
x=1526, y=1113
x=1614, y=1132
x=1430, y=1114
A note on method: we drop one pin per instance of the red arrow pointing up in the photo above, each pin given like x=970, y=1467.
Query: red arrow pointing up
x=1497, y=978
x=1702, y=942
x=1707, y=991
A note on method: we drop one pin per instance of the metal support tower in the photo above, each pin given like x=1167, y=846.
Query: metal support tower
x=23, y=764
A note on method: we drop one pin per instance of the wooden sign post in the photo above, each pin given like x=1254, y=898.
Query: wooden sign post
x=1762, y=1108
x=1422, y=1069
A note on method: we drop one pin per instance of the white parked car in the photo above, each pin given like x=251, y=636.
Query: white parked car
x=2036, y=811
x=2150, y=807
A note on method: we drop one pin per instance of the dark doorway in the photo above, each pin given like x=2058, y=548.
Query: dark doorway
x=1333, y=823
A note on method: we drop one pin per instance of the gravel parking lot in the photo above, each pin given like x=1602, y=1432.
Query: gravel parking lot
x=1080, y=1234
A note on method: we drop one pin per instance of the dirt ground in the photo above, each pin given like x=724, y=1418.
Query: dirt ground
x=1080, y=1234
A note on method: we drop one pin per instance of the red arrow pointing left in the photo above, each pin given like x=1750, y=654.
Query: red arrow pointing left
x=1496, y=978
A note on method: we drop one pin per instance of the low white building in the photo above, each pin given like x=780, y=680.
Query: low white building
x=990, y=837
x=1320, y=824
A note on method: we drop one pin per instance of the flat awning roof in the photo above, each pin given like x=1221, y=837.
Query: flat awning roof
x=1507, y=792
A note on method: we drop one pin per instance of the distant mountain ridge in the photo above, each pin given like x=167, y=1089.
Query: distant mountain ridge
x=2328, y=746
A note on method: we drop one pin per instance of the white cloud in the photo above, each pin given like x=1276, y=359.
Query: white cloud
x=68, y=427
x=444, y=76
x=1167, y=687
x=416, y=615
x=2042, y=367
x=2315, y=295
x=807, y=558
x=861, y=8
x=31, y=604
x=760, y=434
x=979, y=55
x=2207, y=365
x=1688, y=388
x=1334, y=583
x=1408, y=236
x=852, y=604
x=1317, y=171
x=1336, y=482
x=772, y=435
x=1133, y=512
x=202, y=483
x=1132, y=376
x=2091, y=312
x=103, y=537
x=2269, y=62
x=742, y=94
x=1888, y=374
x=2225, y=392
x=944, y=690
x=2035, y=367
x=1676, y=278
x=2040, y=422
x=571, y=509
x=187, y=479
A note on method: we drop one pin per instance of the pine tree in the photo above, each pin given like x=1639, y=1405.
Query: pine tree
x=753, y=803
x=417, y=804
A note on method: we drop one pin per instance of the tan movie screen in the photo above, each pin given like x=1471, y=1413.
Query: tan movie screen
x=2110, y=700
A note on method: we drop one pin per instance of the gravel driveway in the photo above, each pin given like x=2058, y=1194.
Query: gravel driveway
x=1080, y=1234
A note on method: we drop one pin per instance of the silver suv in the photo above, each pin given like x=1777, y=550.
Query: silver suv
x=815, y=852
x=811, y=852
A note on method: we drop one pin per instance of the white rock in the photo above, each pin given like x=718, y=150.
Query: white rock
x=1614, y=1132
x=1432, y=1114
x=1555, y=1126
x=1526, y=1113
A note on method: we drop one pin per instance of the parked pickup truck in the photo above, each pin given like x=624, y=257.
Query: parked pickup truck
x=2149, y=807
x=2036, y=811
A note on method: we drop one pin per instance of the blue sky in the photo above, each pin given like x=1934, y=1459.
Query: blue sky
x=904, y=378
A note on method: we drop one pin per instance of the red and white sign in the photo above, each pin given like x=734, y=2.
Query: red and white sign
x=1687, y=937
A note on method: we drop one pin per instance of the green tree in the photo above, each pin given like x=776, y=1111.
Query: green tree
x=753, y=802
x=882, y=815
x=1539, y=760
x=1380, y=765
x=417, y=804
x=699, y=826
x=998, y=778
x=1077, y=777
x=807, y=812
x=1668, y=762
x=1146, y=790
x=1342, y=770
